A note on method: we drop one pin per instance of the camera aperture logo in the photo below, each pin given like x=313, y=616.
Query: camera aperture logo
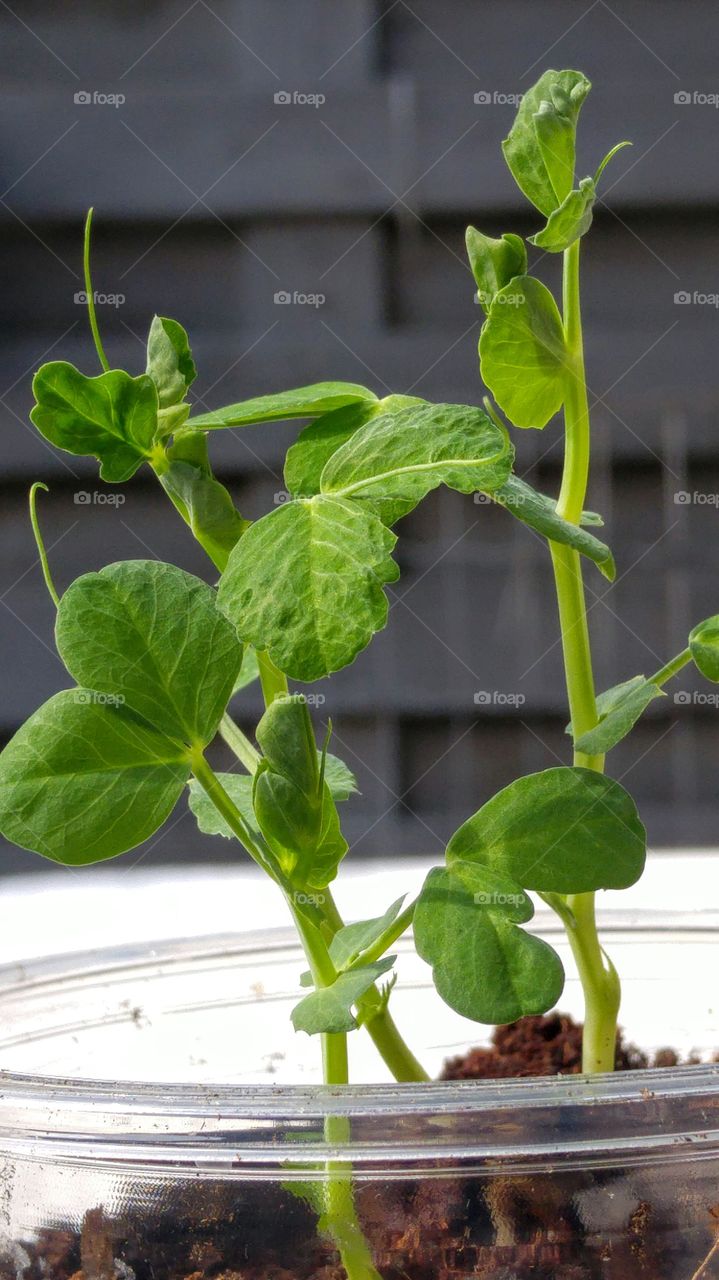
x=497, y=698
x=90, y=698
x=283, y=298
x=95, y=98
x=296, y=98
x=80, y=298
x=96, y=498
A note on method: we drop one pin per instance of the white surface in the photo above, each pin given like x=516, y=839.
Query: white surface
x=104, y=906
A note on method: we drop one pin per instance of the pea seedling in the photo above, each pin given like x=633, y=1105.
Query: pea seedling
x=156, y=655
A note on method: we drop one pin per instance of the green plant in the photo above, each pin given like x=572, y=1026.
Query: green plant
x=157, y=655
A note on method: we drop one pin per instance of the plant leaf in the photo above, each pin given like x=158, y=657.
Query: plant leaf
x=466, y=926
x=355, y=938
x=215, y=521
x=112, y=417
x=249, y=671
x=494, y=262
x=540, y=148
x=619, y=709
x=565, y=830
x=305, y=582
x=209, y=820
x=571, y=220
x=293, y=805
x=704, y=646
x=85, y=779
x=169, y=361
x=540, y=513
x=329, y=1009
x=302, y=402
x=314, y=446
x=152, y=635
x=401, y=457
x=522, y=352
x=339, y=778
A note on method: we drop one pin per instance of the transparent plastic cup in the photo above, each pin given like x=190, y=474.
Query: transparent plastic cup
x=160, y=1119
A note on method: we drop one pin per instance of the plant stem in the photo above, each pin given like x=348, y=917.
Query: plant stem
x=672, y=667
x=598, y=977
x=239, y=743
x=273, y=681
x=225, y=806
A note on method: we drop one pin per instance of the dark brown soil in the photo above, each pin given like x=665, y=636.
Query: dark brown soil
x=513, y=1228
x=543, y=1046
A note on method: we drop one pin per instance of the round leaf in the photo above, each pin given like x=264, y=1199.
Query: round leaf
x=484, y=966
x=565, y=830
x=84, y=779
x=305, y=582
x=152, y=635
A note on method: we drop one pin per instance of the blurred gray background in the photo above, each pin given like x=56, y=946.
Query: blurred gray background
x=339, y=148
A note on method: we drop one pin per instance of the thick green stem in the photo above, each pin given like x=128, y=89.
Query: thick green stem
x=598, y=977
x=273, y=681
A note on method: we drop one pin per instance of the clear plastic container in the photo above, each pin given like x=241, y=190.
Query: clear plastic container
x=148, y=1129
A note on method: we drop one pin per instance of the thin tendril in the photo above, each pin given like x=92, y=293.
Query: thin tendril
x=39, y=541
x=90, y=296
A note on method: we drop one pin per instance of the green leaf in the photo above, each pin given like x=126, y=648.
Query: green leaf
x=112, y=417
x=399, y=458
x=571, y=220
x=704, y=647
x=85, y=779
x=339, y=778
x=293, y=804
x=540, y=148
x=565, y=830
x=305, y=582
x=494, y=262
x=522, y=352
x=619, y=709
x=169, y=361
x=484, y=966
x=355, y=938
x=209, y=820
x=315, y=445
x=249, y=671
x=540, y=513
x=303, y=402
x=286, y=738
x=329, y=1009
x=152, y=635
